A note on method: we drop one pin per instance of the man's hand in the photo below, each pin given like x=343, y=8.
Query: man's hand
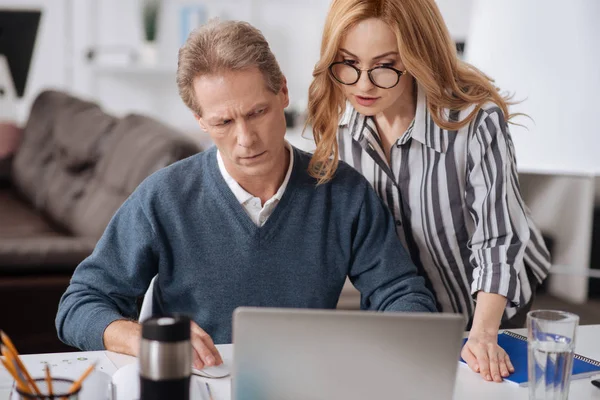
x=124, y=336
x=483, y=355
x=205, y=352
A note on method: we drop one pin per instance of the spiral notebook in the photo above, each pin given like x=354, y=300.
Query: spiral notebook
x=515, y=346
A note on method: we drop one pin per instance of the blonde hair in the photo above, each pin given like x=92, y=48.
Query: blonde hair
x=429, y=55
x=221, y=46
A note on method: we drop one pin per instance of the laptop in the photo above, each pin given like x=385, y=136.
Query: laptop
x=293, y=354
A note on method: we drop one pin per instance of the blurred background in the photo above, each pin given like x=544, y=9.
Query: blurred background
x=89, y=107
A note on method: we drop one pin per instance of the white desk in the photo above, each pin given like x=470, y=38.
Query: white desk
x=468, y=384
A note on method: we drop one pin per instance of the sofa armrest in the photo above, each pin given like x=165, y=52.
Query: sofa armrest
x=49, y=253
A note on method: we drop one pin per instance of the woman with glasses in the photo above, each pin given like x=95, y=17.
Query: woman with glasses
x=429, y=131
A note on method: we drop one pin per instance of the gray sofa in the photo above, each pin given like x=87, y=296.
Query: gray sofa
x=74, y=167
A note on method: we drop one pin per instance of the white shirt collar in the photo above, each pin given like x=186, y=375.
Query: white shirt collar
x=347, y=115
x=242, y=195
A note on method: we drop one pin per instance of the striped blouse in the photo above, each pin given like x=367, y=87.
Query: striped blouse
x=457, y=204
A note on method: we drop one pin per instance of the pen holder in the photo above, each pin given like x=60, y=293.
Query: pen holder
x=60, y=390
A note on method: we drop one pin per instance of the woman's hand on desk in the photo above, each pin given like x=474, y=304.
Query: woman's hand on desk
x=483, y=355
x=205, y=352
x=481, y=351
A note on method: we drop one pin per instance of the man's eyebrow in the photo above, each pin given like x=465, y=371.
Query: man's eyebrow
x=257, y=107
x=389, y=53
x=217, y=119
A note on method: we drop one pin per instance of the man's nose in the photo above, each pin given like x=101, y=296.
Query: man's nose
x=245, y=135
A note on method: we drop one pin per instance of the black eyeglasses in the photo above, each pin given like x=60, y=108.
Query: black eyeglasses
x=383, y=77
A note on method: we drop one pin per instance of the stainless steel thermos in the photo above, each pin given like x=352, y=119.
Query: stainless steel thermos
x=165, y=358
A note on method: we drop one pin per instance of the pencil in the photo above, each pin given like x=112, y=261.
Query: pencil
x=49, y=381
x=11, y=370
x=9, y=344
x=77, y=384
x=210, y=397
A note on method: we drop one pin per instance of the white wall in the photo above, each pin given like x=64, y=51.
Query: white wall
x=549, y=58
x=457, y=15
x=294, y=29
x=69, y=28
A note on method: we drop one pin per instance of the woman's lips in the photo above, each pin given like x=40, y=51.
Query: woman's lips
x=366, y=101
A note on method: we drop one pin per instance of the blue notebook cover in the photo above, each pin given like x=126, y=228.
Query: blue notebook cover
x=515, y=346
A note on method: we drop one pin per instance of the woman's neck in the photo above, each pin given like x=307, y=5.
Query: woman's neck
x=395, y=120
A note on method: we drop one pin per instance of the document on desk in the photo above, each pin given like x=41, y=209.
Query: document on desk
x=65, y=366
x=127, y=387
x=126, y=380
x=6, y=380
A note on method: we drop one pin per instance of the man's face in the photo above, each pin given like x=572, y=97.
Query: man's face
x=246, y=122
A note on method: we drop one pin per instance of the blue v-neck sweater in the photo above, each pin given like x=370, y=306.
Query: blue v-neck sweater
x=184, y=224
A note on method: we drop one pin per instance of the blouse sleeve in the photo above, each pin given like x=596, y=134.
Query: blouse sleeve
x=493, y=197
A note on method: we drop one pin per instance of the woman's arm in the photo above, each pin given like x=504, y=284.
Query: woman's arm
x=481, y=351
x=498, y=241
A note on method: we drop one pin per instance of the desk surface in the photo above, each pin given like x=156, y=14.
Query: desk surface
x=468, y=384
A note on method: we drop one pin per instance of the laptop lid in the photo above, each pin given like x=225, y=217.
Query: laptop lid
x=352, y=355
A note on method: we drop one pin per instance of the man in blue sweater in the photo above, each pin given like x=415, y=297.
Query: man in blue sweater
x=242, y=224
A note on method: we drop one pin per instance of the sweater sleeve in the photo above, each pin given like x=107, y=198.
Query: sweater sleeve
x=106, y=285
x=381, y=269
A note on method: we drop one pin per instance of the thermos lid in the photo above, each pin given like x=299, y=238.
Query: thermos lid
x=168, y=328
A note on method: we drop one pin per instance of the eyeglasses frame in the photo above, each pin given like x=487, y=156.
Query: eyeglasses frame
x=369, y=71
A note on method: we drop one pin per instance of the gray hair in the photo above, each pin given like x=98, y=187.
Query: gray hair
x=220, y=46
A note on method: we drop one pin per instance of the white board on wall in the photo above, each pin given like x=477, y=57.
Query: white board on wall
x=549, y=55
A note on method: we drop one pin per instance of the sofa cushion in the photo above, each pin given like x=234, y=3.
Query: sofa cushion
x=62, y=142
x=77, y=164
x=138, y=147
x=79, y=132
x=29, y=241
x=18, y=220
x=33, y=163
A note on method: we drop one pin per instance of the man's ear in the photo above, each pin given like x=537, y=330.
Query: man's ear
x=200, y=122
x=284, y=92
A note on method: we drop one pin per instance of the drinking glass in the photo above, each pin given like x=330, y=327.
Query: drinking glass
x=550, y=346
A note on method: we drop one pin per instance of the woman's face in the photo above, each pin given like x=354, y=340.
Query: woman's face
x=368, y=44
